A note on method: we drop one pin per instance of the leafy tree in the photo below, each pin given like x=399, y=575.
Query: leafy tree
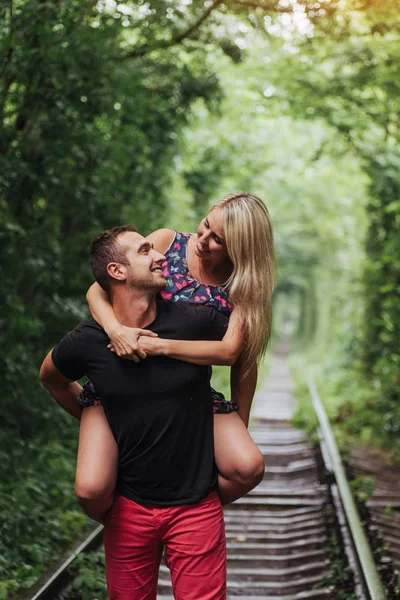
x=93, y=100
x=148, y=111
x=348, y=74
x=88, y=132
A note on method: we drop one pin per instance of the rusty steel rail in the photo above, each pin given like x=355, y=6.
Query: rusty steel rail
x=369, y=571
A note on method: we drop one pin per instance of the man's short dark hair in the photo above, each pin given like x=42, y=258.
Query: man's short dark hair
x=105, y=249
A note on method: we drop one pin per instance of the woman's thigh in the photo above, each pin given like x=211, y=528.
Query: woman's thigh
x=236, y=454
x=96, y=468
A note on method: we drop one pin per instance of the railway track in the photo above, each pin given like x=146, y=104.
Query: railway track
x=276, y=536
x=381, y=512
x=289, y=539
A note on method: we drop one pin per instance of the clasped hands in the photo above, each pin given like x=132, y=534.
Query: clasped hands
x=134, y=343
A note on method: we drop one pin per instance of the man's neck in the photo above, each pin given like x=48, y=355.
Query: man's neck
x=134, y=309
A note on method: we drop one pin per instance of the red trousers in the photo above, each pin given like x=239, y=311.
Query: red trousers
x=194, y=538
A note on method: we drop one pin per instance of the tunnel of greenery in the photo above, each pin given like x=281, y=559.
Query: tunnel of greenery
x=147, y=112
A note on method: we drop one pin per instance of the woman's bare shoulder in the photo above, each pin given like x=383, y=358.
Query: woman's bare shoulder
x=162, y=239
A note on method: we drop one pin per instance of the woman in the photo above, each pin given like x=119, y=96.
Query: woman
x=231, y=254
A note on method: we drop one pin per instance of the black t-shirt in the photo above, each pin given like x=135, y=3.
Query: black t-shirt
x=159, y=410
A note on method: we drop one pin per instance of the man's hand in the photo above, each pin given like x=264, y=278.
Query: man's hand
x=124, y=342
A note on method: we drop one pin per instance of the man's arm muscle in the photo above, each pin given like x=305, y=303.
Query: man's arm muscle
x=63, y=390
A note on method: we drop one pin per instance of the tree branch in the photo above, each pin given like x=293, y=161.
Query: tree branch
x=177, y=38
x=199, y=21
x=266, y=7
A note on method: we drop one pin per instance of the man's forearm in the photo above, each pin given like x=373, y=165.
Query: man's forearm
x=66, y=397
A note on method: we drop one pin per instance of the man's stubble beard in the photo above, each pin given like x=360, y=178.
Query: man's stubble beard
x=159, y=287
x=147, y=285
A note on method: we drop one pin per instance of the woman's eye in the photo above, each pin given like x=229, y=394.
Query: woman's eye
x=218, y=241
x=206, y=223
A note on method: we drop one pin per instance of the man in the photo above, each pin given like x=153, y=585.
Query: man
x=160, y=413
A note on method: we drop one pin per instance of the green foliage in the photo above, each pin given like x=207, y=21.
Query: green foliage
x=37, y=502
x=362, y=487
x=354, y=86
x=148, y=112
x=90, y=121
x=89, y=577
x=220, y=380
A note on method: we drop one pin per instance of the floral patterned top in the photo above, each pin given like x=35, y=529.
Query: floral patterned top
x=181, y=286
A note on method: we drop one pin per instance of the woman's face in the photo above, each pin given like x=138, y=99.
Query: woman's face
x=210, y=244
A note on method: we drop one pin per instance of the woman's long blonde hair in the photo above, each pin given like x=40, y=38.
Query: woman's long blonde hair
x=249, y=242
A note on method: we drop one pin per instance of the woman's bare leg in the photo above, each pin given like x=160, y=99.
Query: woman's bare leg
x=96, y=470
x=240, y=463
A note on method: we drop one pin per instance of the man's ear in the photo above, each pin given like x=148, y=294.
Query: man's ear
x=117, y=271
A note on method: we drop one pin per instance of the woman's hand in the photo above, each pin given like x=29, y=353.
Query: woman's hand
x=153, y=346
x=124, y=342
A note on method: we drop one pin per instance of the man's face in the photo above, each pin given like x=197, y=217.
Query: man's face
x=144, y=270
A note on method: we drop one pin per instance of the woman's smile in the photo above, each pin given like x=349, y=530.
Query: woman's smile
x=201, y=249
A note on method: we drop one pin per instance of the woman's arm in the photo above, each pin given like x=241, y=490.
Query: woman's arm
x=206, y=352
x=243, y=386
x=101, y=309
x=124, y=339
